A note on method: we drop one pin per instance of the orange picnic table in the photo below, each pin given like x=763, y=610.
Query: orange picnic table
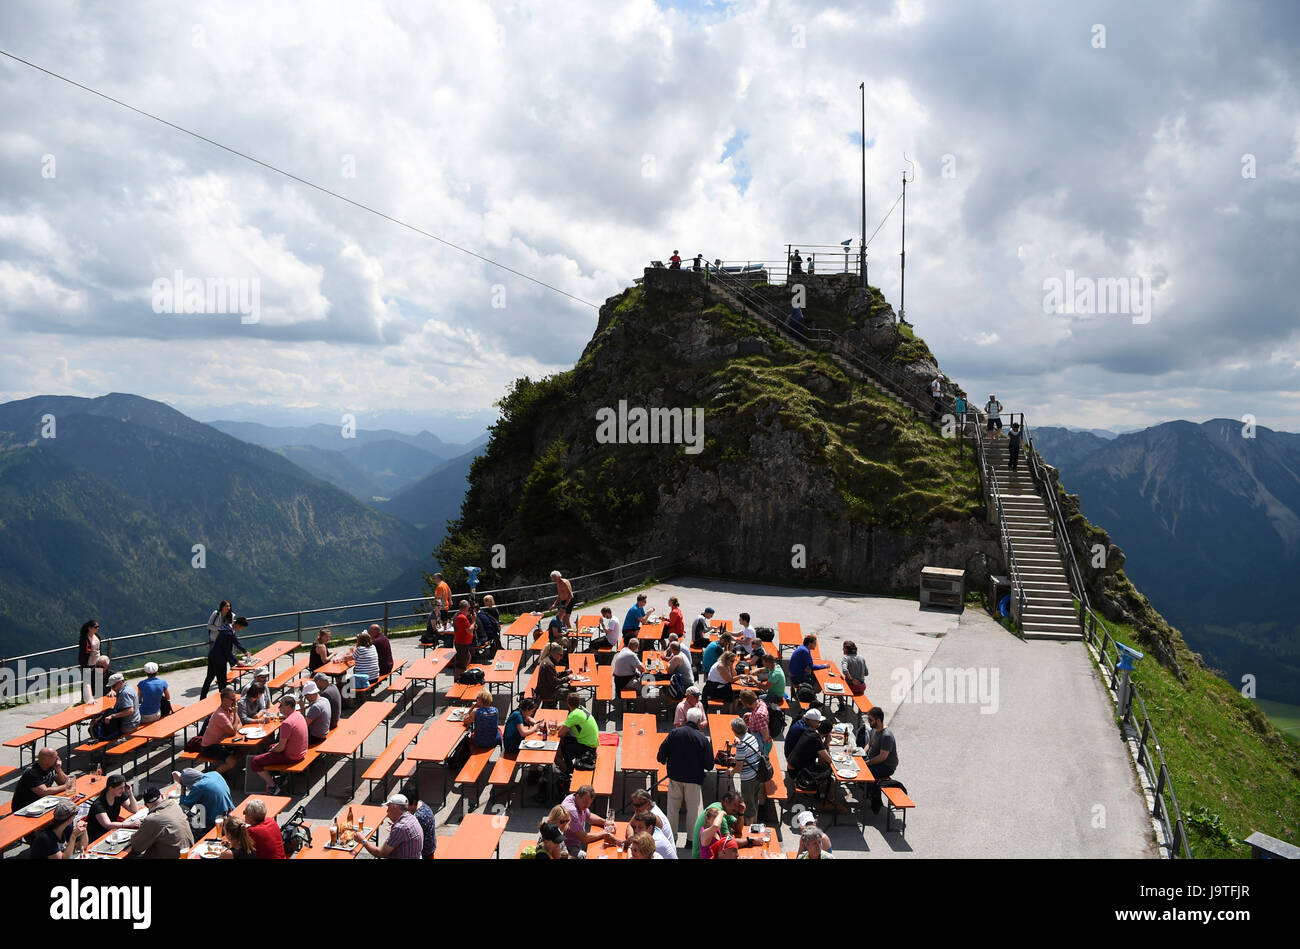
x=267, y=656
x=477, y=838
x=372, y=815
x=639, y=745
x=15, y=827
x=522, y=628
x=439, y=742
x=274, y=805
x=604, y=850
x=65, y=720
x=789, y=635
x=494, y=676
x=180, y=720
x=349, y=736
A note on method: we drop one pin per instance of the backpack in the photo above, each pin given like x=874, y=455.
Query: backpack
x=813, y=777
x=294, y=834
x=486, y=734
x=470, y=677
x=776, y=718
x=766, y=633
x=678, y=685
x=807, y=694
x=585, y=761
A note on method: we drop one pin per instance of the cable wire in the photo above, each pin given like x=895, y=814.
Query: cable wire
x=300, y=180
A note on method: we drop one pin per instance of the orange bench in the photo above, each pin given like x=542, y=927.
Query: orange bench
x=470, y=773
x=406, y=768
x=396, y=750
x=897, y=800
x=283, y=679
x=602, y=779
x=373, y=687
x=298, y=767
x=27, y=741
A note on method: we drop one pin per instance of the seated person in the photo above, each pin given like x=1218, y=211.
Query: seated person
x=810, y=846
x=550, y=840
x=125, y=716
x=643, y=825
x=811, y=752
x=268, y=841
x=223, y=725
x=713, y=650
x=700, y=629
x=290, y=746
x=239, y=843
x=113, y=809
x=627, y=667
x=155, y=698
x=43, y=777
x=481, y=722
x=578, y=804
x=854, y=668
x=609, y=630
x=641, y=846
x=164, y=832
x=552, y=683
x=256, y=699
x=643, y=803
x=63, y=838
x=579, y=733
x=802, y=664
x=207, y=794
x=520, y=725
x=365, y=669
x=718, y=682
x=317, y=712
x=773, y=676
x=802, y=822
x=679, y=670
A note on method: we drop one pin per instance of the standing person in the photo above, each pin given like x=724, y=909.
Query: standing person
x=463, y=636
x=223, y=615
x=748, y=755
x=93, y=663
x=441, y=603
x=405, y=838
x=882, y=754
x=155, y=698
x=936, y=399
x=993, y=409
x=563, y=604
x=164, y=832
x=1013, y=445
x=796, y=263
x=687, y=754
x=959, y=408
x=676, y=624
x=221, y=655
x=812, y=264
x=675, y=262
x=698, y=263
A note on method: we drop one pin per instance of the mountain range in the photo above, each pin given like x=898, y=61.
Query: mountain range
x=103, y=501
x=1208, y=516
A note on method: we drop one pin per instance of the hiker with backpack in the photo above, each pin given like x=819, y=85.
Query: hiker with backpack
x=481, y=722
x=1013, y=446
x=993, y=409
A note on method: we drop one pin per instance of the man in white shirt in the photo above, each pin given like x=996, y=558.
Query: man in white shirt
x=627, y=666
x=643, y=803
x=744, y=636
x=993, y=409
x=645, y=823
x=610, y=627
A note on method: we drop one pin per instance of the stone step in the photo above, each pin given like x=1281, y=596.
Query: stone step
x=1057, y=635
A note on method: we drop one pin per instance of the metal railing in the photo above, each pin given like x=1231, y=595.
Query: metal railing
x=154, y=644
x=1169, y=815
x=990, y=479
x=898, y=385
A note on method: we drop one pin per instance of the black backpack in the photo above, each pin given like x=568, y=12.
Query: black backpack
x=766, y=633
x=585, y=761
x=294, y=835
x=470, y=677
x=776, y=718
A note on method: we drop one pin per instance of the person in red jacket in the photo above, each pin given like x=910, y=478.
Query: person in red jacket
x=267, y=842
x=463, y=637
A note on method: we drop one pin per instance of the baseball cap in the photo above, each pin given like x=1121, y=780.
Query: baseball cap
x=151, y=668
x=803, y=819
x=63, y=810
x=151, y=795
x=190, y=777
x=398, y=799
x=552, y=833
x=709, y=611
x=812, y=715
x=261, y=672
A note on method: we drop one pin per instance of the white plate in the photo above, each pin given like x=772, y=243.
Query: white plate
x=457, y=715
x=39, y=807
x=833, y=687
x=252, y=731
x=839, y=757
x=120, y=836
x=533, y=744
x=210, y=855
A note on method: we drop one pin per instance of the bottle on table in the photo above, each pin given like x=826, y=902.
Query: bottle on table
x=334, y=831
x=349, y=824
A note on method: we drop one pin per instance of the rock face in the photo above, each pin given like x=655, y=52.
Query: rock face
x=801, y=474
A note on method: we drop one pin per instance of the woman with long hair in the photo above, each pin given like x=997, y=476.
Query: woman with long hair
x=93, y=663
x=320, y=650
x=239, y=843
x=223, y=615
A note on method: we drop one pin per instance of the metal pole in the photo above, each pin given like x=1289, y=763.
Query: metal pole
x=902, y=267
x=863, y=268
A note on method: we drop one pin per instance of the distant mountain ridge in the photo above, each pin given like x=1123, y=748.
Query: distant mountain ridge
x=101, y=520
x=1210, y=523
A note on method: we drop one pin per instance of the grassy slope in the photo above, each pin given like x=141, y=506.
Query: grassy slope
x=1232, y=771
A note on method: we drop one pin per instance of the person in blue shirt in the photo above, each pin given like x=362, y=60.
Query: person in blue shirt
x=713, y=650
x=802, y=665
x=153, y=692
x=206, y=792
x=635, y=616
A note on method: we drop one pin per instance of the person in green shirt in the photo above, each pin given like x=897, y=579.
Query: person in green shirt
x=774, y=675
x=733, y=809
x=579, y=733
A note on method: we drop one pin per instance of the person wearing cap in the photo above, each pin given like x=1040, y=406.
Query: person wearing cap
x=223, y=726
x=317, y=712
x=811, y=719
x=125, y=716
x=330, y=693
x=290, y=746
x=802, y=823
x=691, y=701
x=256, y=700
x=164, y=832
x=688, y=755
x=221, y=654
x=550, y=840
x=700, y=629
x=268, y=842
x=63, y=838
x=155, y=699
x=113, y=809
x=405, y=839
x=206, y=794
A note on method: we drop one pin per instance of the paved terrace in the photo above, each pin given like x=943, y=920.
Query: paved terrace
x=1030, y=765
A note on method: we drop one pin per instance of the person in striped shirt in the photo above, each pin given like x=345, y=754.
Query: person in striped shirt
x=405, y=838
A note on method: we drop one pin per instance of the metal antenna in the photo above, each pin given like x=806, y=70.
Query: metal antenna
x=902, y=267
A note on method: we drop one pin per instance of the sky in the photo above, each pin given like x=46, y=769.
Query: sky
x=1153, y=144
